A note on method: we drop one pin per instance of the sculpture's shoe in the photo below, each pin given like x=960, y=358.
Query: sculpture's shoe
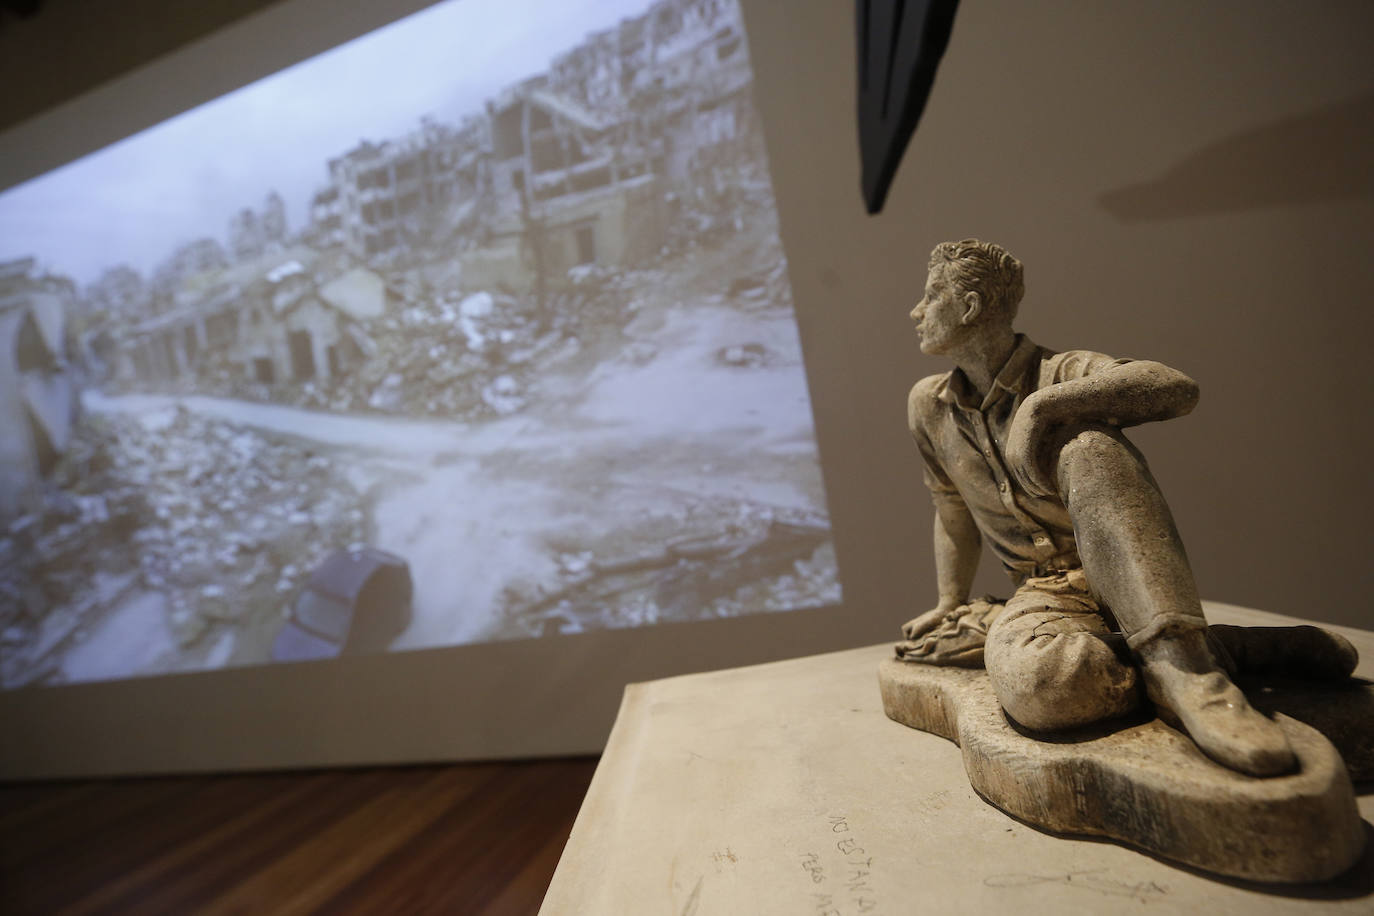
x=1183, y=680
x=1298, y=652
x=1145, y=784
x=1215, y=714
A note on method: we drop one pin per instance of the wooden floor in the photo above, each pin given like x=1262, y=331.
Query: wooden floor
x=472, y=838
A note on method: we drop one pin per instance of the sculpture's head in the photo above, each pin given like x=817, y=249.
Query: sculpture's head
x=972, y=287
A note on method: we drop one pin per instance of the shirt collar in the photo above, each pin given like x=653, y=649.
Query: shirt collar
x=1014, y=379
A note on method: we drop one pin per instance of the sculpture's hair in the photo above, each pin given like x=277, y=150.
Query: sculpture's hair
x=986, y=269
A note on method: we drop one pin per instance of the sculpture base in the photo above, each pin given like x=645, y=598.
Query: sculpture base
x=1144, y=784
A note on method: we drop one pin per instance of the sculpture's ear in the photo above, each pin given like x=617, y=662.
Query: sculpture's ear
x=973, y=307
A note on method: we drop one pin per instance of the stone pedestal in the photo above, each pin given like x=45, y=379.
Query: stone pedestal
x=784, y=789
x=1145, y=784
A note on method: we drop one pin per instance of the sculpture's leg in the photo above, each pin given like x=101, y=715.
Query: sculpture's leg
x=1135, y=563
x=1304, y=652
x=1053, y=661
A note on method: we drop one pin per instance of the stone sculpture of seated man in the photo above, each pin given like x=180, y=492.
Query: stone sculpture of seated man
x=1023, y=449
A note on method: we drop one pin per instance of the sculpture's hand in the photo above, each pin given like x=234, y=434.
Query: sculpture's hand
x=957, y=637
x=917, y=627
x=1030, y=443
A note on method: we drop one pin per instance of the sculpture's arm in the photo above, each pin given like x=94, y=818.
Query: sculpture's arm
x=958, y=543
x=958, y=546
x=1124, y=395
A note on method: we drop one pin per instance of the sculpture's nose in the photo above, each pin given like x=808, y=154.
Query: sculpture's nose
x=918, y=311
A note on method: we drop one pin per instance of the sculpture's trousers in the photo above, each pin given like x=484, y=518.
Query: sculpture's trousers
x=1053, y=659
x=1053, y=656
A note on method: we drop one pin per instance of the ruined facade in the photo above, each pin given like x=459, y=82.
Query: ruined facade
x=378, y=193
x=245, y=235
x=120, y=292
x=565, y=190
x=253, y=233
x=553, y=173
x=282, y=322
x=182, y=278
x=37, y=394
x=272, y=220
x=326, y=218
x=583, y=155
x=573, y=167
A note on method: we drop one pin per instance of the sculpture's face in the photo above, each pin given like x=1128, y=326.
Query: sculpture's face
x=939, y=316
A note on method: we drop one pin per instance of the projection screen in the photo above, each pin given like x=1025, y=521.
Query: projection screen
x=474, y=328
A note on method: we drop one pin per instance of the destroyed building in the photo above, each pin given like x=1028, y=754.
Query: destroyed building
x=37, y=395
x=272, y=220
x=183, y=277
x=583, y=156
x=118, y=292
x=253, y=233
x=378, y=193
x=245, y=238
x=566, y=168
x=326, y=218
x=274, y=319
x=576, y=166
x=566, y=189
x=680, y=73
x=609, y=65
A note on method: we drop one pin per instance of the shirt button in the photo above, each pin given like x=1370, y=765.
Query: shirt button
x=1002, y=486
x=1041, y=541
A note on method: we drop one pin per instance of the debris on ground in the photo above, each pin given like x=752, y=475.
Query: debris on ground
x=743, y=356
x=764, y=559
x=220, y=519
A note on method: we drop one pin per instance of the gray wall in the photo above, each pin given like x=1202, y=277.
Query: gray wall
x=1186, y=182
x=73, y=45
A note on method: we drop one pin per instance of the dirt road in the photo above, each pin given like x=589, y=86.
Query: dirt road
x=697, y=421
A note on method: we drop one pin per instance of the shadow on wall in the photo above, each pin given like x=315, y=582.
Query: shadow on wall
x=1322, y=156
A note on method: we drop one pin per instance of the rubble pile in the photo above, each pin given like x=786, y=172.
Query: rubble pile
x=466, y=356
x=471, y=356
x=222, y=521
x=450, y=355
x=728, y=560
x=444, y=350
x=810, y=582
x=764, y=288
x=721, y=201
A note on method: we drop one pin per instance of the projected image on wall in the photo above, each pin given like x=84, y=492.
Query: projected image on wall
x=475, y=328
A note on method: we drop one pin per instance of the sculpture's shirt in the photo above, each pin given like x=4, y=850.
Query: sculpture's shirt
x=962, y=440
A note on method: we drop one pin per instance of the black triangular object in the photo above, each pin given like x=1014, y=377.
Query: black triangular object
x=900, y=46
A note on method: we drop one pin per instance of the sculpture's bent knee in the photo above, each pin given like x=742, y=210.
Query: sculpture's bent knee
x=1053, y=670
x=1100, y=461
